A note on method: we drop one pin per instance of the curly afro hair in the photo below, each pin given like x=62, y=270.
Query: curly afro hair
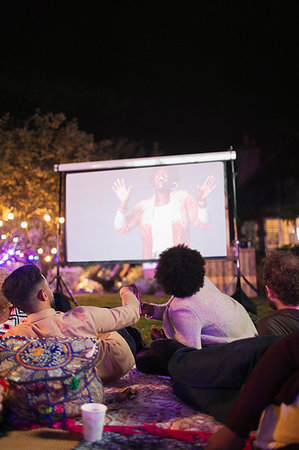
x=281, y=274
x=180, y=271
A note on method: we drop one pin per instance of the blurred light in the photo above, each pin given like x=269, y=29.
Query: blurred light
x=10, y=216
x=31, y=257
x=61, y=220
x=18, y=252
x=1, y=223
x=10, y=251
x=15, y=239
x=54, y=251
x=36, y=257
x=3, y=236
x=24, y=224
x=47, y=218
x=21, y=255
x=40, y=251
x=48, y=258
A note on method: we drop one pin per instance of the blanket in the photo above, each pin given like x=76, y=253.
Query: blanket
x=143, y=412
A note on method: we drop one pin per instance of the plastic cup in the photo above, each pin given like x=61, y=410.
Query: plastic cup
x=93, y=417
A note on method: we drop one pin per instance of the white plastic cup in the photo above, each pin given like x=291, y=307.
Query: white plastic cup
x=93, y=417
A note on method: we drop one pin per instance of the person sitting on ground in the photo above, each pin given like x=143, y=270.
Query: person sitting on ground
x=281, y=278
x=28, y=289
x=268, y=403
x=10, y=316
x=198, y=313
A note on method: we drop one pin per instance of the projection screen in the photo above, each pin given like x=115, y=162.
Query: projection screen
x=164, y=206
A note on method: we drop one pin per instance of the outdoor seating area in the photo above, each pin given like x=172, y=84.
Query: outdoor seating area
x=141, y=409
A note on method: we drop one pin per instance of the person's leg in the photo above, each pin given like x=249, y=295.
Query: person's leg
x=156, y=359
x=129, y=339
x=136, y=335
x=209, y=379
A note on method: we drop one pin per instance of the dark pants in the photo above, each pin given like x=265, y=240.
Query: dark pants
x=133, y=338
x=210, y=379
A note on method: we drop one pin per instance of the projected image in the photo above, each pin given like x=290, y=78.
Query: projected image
x=164, y=218
x=133, y=214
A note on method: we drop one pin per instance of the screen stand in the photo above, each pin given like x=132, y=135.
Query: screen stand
x=62, y=301
x=239, y=294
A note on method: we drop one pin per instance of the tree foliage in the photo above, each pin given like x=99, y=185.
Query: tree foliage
x=29, y=185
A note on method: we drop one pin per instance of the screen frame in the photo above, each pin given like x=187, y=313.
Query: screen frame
x=98, y=166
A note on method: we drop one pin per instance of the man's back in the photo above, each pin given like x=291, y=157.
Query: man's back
x=279, y=323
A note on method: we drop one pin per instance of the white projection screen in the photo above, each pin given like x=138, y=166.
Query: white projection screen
x=93, y=233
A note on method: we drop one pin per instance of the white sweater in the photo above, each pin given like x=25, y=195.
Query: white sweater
x=208, y=317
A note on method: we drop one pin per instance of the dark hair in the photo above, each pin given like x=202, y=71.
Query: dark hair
x=180, y=271
x=18, y=286
x=281, y=274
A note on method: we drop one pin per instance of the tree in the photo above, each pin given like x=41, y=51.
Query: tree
x=29, y=185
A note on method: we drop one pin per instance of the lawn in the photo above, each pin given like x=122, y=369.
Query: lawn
x=144, y=325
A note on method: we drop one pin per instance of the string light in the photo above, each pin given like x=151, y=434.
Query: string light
x=11, y=245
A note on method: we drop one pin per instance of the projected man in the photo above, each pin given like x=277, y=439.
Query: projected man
x=164, y=218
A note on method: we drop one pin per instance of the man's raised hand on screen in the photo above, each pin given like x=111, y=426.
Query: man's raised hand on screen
x=206, y=188
x=121, y=191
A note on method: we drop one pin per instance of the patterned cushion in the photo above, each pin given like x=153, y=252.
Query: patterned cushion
x=50, y=378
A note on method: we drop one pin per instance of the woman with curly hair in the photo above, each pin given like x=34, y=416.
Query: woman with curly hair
x=198, y=313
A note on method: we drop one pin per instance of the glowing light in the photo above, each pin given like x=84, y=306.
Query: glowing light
x=18, y=252
x=47, y=218
x=61, y=220
x=10, y=251
x=54, y=251
x=36, y=257
x=31, y=257
x=15, y=239
x=21, y=255
x=1, y=223
x=48, y=258
x=3, y=236
x=24, y=224
x=40, y=251
x=11, y=216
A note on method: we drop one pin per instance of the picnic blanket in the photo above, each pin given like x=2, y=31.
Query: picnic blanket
x=143, y=413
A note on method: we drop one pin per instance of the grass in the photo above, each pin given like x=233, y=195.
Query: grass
x=145, y=325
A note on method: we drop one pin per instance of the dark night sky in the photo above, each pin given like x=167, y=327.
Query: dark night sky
x=192, y=75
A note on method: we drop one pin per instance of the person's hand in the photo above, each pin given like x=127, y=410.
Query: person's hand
x=121, y=191
x=148, y=309
x=206, y=188
x=157, y=333
x=225, y=439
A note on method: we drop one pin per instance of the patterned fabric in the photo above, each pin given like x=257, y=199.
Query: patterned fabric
x=48, y=379
x=16, y=316
x=115, y=441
